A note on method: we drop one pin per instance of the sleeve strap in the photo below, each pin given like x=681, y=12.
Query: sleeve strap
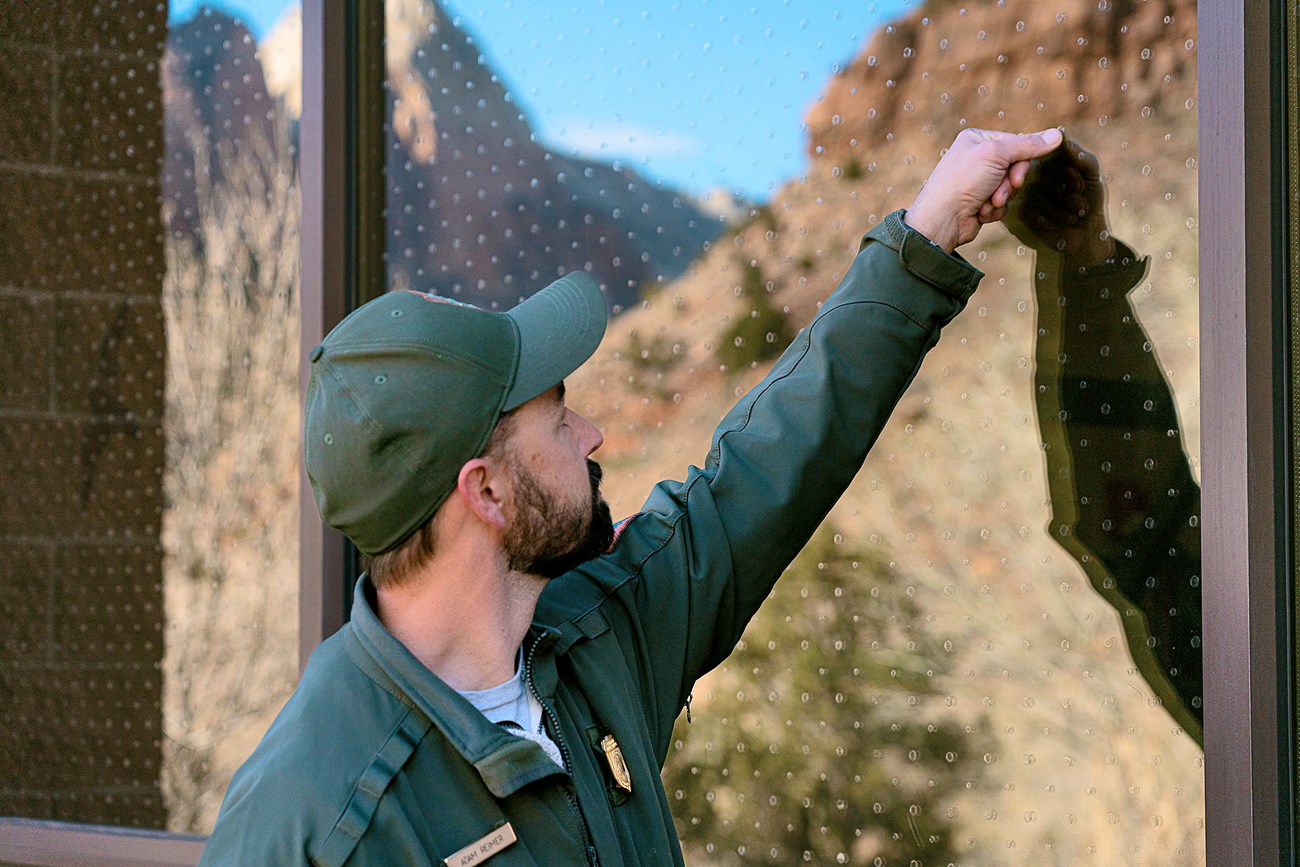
x=923, y=258
x=346, y=834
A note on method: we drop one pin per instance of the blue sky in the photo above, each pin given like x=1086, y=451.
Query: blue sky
x=699, y=94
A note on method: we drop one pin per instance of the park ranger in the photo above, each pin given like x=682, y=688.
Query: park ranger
x=507, y=686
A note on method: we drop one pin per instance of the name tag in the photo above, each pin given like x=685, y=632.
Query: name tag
x=484, y=848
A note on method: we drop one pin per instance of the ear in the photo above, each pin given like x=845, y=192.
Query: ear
x=481, y=486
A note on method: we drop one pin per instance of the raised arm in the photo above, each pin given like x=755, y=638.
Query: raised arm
x=706, y=551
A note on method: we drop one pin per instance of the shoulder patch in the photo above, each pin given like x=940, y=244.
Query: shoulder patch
x=618, y=531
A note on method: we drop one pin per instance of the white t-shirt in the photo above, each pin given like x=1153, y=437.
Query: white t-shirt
x=514, y=707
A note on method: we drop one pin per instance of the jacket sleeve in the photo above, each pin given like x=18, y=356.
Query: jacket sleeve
x=705, y=552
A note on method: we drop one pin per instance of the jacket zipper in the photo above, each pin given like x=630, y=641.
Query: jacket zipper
x=569, y=795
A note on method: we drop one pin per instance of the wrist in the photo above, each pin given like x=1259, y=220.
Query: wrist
x=940, y=233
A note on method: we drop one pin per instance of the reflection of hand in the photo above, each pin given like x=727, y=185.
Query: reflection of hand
x=973, y=183
x=1062, y=209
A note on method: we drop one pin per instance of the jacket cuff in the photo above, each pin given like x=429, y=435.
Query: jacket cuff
x=924, y=259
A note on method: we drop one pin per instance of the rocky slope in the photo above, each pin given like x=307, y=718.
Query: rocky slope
x=1014, y=65
x=218, y=112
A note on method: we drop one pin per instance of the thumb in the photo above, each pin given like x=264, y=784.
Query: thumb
x=1017, y=148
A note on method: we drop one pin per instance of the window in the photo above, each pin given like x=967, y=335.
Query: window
x=988, y=650
x=150, y=419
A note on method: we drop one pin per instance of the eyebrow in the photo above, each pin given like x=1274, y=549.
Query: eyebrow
x=559, y=394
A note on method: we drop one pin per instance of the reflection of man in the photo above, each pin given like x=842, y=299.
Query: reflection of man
x=509, y=681
x=1124, y=502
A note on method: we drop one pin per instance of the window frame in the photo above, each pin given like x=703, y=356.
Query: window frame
x=1248, y=625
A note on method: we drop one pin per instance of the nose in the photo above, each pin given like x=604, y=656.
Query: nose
x=588, y=434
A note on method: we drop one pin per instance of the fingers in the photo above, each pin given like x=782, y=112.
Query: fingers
x=990, y=214
x=1002, y=194
x=1019, y=171
x=974, y=182
x=1012, y=148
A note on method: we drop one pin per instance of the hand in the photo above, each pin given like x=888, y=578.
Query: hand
x=973, y=183
x=1062, y=209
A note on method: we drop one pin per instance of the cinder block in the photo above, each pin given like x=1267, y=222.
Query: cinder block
x=67, y=479
x=108, y=603
x=26, y=589
x=109, y=358
x=26, y=92
x=83, y=741
x=81, y=234
x=34, y=22
x=136, y=27
x=26, y=343
x=111, y=114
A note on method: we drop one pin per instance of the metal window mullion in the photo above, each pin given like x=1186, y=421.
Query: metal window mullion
x=39, y=843
x=322, y=160
x=1287, y=69
x=1242, y=428
x=341, y=146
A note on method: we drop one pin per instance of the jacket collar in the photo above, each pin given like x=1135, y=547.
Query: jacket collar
x=505, y=762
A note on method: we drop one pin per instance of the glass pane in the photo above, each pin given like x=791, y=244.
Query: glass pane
x=990, y=651
x=149, y=407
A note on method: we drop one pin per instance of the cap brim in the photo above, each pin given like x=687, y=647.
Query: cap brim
x=559, y=328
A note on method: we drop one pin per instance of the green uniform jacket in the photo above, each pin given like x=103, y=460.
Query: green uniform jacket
x=376, y=761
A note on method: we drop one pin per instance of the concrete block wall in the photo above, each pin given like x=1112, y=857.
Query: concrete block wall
x=82, y=366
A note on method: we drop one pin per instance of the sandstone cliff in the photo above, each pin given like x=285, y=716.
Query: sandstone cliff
x=476, y=207
x=1003, y=65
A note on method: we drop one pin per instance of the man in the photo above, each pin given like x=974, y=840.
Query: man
x=508, y=683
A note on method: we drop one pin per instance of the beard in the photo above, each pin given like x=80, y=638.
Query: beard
x=548, y=538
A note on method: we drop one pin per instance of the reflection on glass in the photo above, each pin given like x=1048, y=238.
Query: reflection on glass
x=230, y=297
x=480, y=209
x=1124, y=502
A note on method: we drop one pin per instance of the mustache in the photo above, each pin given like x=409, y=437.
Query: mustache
x=595, y=473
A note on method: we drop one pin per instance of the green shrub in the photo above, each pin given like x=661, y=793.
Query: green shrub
x=759, y=334
x=824, y=739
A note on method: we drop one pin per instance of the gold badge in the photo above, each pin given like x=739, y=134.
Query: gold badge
x=483, y=848
x=617, y=766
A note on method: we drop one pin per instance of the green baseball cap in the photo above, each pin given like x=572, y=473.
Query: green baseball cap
x=409, y=386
